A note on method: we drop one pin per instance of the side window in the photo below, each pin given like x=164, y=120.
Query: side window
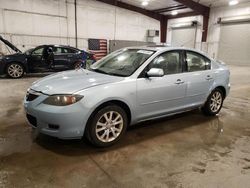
x=170, y=62
x=57, y=50
x=197, y=62
x=38, y=51
x=68, y=50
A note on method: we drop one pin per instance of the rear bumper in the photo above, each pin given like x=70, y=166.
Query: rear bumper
x=228, y=89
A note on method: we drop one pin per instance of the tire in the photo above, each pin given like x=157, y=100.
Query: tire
x=214, y=103
x=101, y=132
x=77, y=65
x=15, y=70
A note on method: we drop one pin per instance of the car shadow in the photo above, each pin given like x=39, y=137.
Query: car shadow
x=134, y=135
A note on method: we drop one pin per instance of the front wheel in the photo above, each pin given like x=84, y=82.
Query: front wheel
x=107, y=126
x=15, y=70
x=214, y=103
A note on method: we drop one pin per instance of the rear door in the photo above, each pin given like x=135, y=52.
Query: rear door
x=63, y=57
x=157, y=96
x=199, y=77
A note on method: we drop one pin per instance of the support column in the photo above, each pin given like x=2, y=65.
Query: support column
x=163, y=25
x=205, y=28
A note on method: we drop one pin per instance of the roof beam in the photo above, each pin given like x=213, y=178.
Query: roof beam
x=120, y=4
x=186, y=14
x=167, y=9
x=196, y=7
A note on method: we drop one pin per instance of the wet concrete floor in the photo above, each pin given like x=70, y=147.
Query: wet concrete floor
x=187, y=150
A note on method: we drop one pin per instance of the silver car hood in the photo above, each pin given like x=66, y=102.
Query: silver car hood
x=69, y=82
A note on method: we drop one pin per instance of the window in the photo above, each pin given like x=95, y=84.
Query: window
x=169, y=62
x=38, y=51
x=60, y=50
x=197, y=62
x=123, y=62
x=69, y=50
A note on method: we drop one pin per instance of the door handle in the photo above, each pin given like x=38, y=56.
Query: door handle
x=179, y=81
x=209, y=77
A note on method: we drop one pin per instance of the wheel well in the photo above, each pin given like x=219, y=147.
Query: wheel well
x=223, y=90
x=121, y=104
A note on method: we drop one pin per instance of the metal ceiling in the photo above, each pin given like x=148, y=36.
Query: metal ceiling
x=161, y=10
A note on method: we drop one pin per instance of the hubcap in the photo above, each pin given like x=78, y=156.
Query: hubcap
x=15, y=70
x=109, y=126
x=216, y=101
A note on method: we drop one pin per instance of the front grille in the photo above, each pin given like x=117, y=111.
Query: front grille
x=32, y=95
x=32, y=120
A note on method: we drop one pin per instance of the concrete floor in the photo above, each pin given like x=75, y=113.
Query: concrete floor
x=188, y=150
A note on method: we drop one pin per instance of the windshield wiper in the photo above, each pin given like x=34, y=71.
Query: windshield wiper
x=108, y=73
x=99, y=71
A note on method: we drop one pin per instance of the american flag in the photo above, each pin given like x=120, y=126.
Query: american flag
x=98, y=47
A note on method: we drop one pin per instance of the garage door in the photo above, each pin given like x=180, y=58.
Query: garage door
x=234, y=45
x=184, y=37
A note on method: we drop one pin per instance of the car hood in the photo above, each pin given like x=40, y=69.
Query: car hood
x=9, y=44
x=69, y=82
x=16, y=55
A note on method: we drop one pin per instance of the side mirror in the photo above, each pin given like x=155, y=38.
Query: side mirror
x=155, y=72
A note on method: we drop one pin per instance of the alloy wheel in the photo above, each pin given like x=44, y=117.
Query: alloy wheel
x=109, y=126
x=15, y=70
x=216, y=101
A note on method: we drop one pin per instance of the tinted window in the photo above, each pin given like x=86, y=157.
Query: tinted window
x=197, y=62
x=170, y=62
x=61, y=50
x=38, y=51
x=69, y=50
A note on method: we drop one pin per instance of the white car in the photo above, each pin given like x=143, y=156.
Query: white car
x=126, y=87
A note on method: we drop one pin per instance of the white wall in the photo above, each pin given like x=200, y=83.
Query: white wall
x=211, y=46
x=34, y=22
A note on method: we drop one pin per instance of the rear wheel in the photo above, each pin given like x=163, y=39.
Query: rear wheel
x=15, y=70
x=107, y=126
x=214, y=103
x=78, y=65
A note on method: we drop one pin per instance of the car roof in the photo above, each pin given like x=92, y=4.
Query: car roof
x=56, y=45
x=162, y=48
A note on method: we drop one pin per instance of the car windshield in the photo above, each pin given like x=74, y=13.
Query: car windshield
x=122, y=63
x=27, y=52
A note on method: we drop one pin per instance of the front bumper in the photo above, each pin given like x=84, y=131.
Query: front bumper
x=65, y=122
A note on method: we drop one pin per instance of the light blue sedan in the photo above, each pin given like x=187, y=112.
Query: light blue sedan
x=126, y=87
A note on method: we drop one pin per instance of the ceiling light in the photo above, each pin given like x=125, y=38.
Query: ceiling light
x=144, y=3
x=233, y=2
x=174, y=12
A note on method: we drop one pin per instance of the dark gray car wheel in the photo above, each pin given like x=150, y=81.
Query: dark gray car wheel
x=107, y=126
x=15, y=70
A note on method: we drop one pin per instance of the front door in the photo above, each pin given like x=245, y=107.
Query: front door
x=36, y=60
x=157, y=96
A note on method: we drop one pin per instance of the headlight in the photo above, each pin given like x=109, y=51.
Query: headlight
x=62, y=100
